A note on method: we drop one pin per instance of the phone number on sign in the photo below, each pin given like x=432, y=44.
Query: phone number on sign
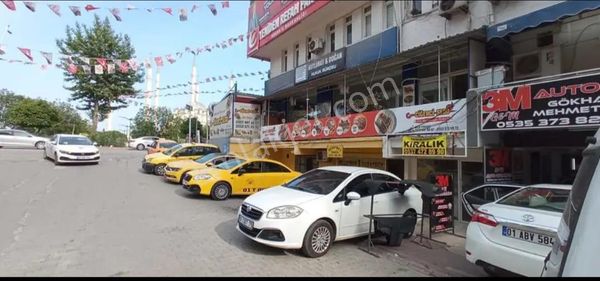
x=581, y=120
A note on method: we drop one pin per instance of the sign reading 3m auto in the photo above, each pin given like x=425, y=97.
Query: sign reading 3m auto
x=429, y=146
x=573, y=102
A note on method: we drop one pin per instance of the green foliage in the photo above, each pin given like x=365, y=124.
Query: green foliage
x=7, y=100
x=69, y=121
x=99, y=94
x=196, y=125
x=109, y=138
x=33, y=114
x=160, y=123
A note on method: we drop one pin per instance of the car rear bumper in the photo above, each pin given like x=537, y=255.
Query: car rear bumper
x=480, y=249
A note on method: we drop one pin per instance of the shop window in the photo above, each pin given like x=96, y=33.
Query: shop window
x=460, y=86
x=284, y=61
x=332, y=38
x=308, y=53
x=297, y=108
x=296, y=55
x=429, y=93
x=359, y=99
x=277, y=112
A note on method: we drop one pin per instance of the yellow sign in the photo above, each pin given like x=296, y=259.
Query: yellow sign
x=335, y=151
x=429, y=146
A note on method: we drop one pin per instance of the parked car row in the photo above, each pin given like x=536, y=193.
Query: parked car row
x=287, y=209
x=20, y=138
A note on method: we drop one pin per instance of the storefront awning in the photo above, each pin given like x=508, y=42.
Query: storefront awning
x=547, y=15
x=364, y=143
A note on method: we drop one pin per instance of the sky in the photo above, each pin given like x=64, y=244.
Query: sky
x=152, y=34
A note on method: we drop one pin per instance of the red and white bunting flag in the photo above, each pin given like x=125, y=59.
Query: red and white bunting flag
x=29, y=5
x=98, y=69
x=102, y=62
x=213, y=9
x=47, y=56
x=2, y=48
x=131, y=7
x=76, y=10
x=170, y=59
x=149, y=10
x=241, y=37
x=85, y=60
x=123, y=66
x=110, y=68
x=72, y=68
x=183, y=16
x=90, y=7
x=26, y=52
x=87, y=69
x=168, y=11
x=10, y=4
x=198, y=50
x=158, y=61
x=225, y=4
x=133, y=64
x=230, y=41
x=116, y=13
x=55, y=9
x=194, y=8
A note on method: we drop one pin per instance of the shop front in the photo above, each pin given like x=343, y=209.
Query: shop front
x=535, y=132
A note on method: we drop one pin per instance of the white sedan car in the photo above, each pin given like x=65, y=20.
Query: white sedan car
x=516, y=232
x=322, y=206
x=71, y=149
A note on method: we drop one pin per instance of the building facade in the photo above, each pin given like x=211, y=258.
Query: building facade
x=398, y=85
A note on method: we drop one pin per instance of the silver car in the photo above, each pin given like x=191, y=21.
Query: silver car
x=19, y=138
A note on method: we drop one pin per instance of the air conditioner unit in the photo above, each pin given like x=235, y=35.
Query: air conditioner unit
x=322, y=155
x=315, y=46
x=543, y=62
x=448, y=7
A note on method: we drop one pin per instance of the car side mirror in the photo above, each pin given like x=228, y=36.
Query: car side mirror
x=209, y=164
x=350, y=197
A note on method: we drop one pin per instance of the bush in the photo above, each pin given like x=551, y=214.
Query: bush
x=114, y=138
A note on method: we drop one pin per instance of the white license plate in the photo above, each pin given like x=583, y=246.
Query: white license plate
x=528, y=236
x=246, y=222
x=83, y=157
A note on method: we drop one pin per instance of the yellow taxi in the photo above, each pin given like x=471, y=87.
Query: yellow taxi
x=175, y=171
x=238, y=177
x=156, y=162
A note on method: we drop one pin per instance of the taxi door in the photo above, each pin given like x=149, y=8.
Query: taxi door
x=247, y=179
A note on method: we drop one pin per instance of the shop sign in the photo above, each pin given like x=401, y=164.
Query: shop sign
x=267, y=22
x=441, y=205
x=335, y=151
x=440, y=117
x=220, y=121
x=428, y=146
x=498, y=165
x=330, y=63
x=246, y=120
x=301, y=74
x=573, y=102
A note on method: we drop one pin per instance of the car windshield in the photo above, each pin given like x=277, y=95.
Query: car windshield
x=230, y=164
x=74, y=141
x=549, y=199
x=172, y=149
x=317, y=181
x=167, y=144
x=207, y=157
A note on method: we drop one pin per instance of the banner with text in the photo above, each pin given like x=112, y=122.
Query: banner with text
x=220, y=121
x=428, y=146
x=246, y=120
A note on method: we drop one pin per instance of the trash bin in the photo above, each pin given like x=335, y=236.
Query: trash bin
x=394, y=227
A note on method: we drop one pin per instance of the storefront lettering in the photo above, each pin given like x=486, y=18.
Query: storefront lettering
x=586, y=88
x=503, y=99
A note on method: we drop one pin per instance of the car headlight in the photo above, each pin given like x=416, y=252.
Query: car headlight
x=202, y=177
x=284, y=212
x=64, y=152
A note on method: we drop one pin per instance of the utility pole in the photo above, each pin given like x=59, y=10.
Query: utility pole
x=128, y=126
x=189, y=108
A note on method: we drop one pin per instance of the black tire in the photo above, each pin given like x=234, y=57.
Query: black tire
x=182, y=176
x=409, y=212
x=159, y=169
x=40, y=145
x=318, y=239
x=220, y=191
x=140, y=147
x=493, y=271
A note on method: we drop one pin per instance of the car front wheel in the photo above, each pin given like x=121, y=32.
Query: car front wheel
x=220, y=191
x=40, y=145
x=140, y=147
x=159, y=169
x=318, y=239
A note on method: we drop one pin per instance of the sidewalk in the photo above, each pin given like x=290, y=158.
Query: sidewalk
x=446, y=259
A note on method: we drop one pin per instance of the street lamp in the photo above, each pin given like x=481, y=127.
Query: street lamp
x=189, y=108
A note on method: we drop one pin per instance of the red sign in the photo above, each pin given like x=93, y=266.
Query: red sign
x=268, y=20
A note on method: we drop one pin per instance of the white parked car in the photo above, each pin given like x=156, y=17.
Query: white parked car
x=142, y=142
x=71, y=149
x=516, y=232
x=19, y=138
x=322, y=206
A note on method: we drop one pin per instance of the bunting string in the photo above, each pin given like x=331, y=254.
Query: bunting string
x=11, y=5
x=183, y=93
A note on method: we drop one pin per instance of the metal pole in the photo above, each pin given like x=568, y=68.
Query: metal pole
x=190, y=128
x=439, y=76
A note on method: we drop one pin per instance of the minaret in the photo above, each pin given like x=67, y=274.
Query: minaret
x=149, y=81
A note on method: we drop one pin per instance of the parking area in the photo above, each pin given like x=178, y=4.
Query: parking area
x=113, y=220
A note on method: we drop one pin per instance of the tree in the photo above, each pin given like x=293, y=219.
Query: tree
x=7, y=100
x=151, y=122
x=196, y=125
x=99, y=94
x=69, y=120
x=33, y=114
